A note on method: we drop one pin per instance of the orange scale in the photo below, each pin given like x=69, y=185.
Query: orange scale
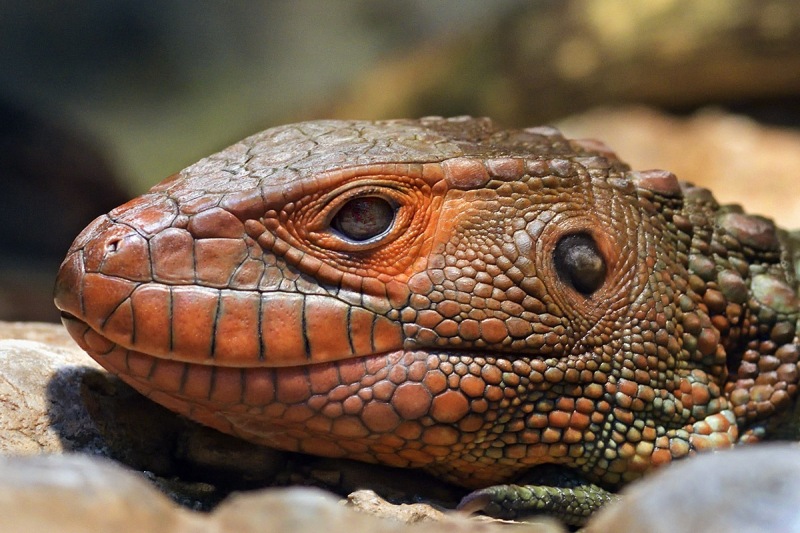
x=292, y=385
x=171, y=403
x=579, y=421
x=323, y=378
x=352, y=405
x=259, y=386
x=491, y=374
x=551, y=435
x=417, y=371
x=398, y=374
x=168, y=375
x=415, y=457
x=116, y=361
x=558, y=450
x=493, y=393
x=409, y=431
x=440, y=436
x=572, y=436
x=379, y=417
x=391, y=459
x=377, y=366
x=479, y=405
x=435, y=381
x=332, y=410
x=391, y=442
x=453, y=381
x=383, y=390
x=318, y=424
x=297, y=413
x=354, y=447
x=437, y=451
x=449, y=406
x=227, y=387
x=349, y=427
x=472, y=386
x=139, y=364
x=274, y=411
x=320, y=447
x=412, y=400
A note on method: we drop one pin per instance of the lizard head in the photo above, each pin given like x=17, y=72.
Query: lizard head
x=443, y=294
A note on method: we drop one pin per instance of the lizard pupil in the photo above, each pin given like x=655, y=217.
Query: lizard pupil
x=579, y=263
x=363, y=218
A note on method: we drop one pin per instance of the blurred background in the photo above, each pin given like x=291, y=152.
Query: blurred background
x=101, y=99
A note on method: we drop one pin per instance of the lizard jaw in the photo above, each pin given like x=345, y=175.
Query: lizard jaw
x=403, y=408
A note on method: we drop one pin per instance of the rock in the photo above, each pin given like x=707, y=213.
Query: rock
x=367, y=501
x=740, y=160
x=40, y=391
x=67, y=493
x=747, y=490
x=57, y=399
x=306, y=510
x=77, y=493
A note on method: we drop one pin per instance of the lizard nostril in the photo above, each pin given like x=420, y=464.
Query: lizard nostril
x=113, y=245
x=121, y=253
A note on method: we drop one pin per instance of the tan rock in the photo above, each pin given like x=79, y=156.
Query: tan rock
x=740, y=160
x=66, y=493
x=303, y=510
x=367, y=501
x=40, y=373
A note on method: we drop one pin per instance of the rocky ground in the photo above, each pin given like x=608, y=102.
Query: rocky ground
x=83, y=452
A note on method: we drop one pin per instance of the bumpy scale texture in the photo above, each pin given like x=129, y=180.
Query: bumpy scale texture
x=444, y=294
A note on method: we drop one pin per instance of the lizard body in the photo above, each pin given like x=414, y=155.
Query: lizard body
x=448, y=295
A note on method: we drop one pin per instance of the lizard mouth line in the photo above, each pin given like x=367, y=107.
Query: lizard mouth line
x=98, y=344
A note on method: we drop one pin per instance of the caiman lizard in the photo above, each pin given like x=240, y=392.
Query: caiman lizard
x=493, y=306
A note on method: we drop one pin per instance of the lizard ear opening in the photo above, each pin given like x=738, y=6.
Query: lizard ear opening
x=579, y=263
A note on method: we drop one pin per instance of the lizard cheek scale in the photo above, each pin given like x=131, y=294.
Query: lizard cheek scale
x=494, y=306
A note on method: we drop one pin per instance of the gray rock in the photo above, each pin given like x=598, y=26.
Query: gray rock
x=751, y=489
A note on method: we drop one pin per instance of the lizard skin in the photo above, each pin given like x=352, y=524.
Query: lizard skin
x=485, y=304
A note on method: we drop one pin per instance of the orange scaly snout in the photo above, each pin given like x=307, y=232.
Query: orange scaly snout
x=110, y=282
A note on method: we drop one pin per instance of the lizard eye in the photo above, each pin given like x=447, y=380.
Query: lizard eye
x=579, y=263
x=364, y=218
